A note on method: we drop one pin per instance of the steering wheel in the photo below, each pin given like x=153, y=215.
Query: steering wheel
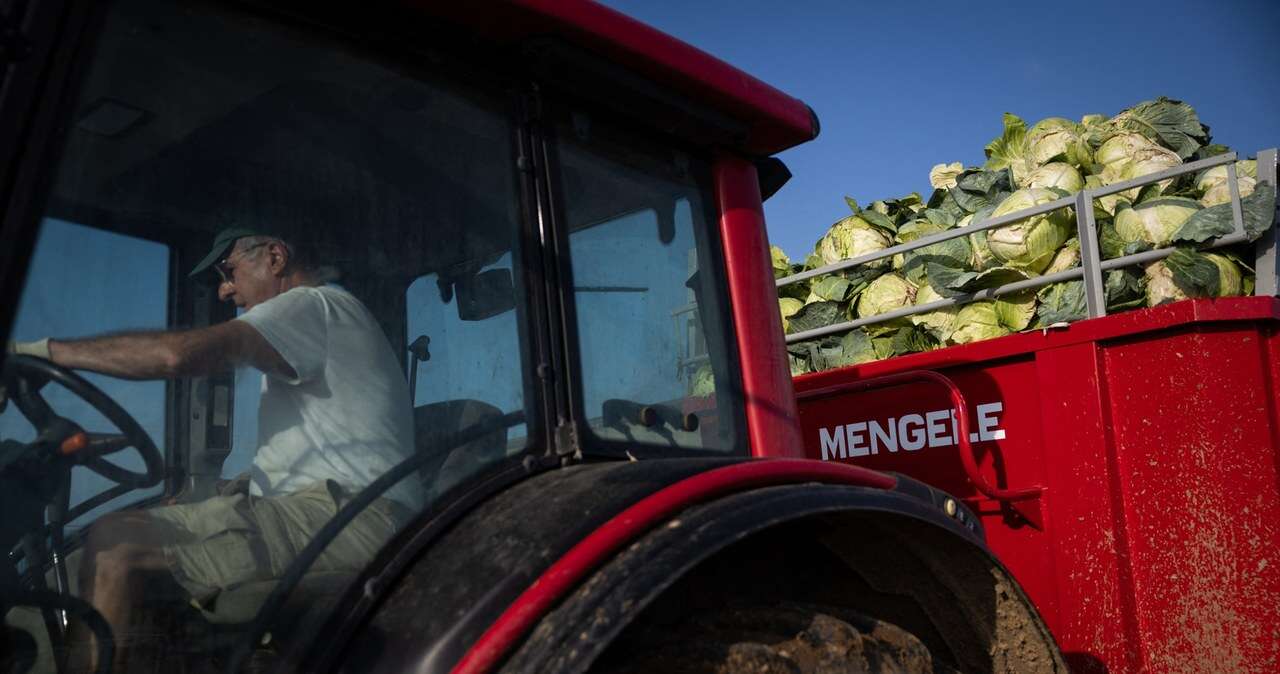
x=24, y=376
x=61, y=443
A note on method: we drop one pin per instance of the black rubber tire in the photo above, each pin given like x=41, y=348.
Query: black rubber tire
x=782, y=639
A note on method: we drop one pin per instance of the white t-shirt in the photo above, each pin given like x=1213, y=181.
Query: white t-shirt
x=347, y=416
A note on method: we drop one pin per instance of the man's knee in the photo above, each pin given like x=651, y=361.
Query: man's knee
x=122, y=561
x=123, y=542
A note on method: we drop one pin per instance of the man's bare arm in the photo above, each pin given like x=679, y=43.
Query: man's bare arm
x=167, y=355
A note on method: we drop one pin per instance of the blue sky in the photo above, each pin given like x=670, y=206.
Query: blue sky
x=63, y=303
x=901, y=86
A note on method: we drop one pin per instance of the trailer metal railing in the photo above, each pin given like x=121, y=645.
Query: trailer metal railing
x=1267, y=267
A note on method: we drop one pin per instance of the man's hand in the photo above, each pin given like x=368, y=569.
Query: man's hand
x=39, y=349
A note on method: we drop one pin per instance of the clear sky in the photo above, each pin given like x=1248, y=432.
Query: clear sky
x=900, y=86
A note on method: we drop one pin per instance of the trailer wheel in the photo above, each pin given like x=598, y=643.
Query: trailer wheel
x=787, y=638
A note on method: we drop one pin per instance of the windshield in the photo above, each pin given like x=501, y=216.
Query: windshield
x=296, y=267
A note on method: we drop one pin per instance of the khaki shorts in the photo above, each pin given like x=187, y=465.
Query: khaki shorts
x=230, y=540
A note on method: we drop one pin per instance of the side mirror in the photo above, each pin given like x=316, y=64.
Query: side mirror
x=484, y=295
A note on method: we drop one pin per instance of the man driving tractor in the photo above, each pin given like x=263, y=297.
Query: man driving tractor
x=334, y=415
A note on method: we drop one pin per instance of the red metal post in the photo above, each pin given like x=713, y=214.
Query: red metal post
x=772, y=421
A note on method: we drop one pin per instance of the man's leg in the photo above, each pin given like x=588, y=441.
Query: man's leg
x=122, y=551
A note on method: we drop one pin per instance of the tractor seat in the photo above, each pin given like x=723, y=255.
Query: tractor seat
x=435, y=423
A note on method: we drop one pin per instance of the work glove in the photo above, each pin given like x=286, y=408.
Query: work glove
x=39, y=349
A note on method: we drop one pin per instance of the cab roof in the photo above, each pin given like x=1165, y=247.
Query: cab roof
x=772, y=120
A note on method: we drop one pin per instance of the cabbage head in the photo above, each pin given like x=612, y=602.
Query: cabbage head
x=1154, y=221
x=953, y=252
x=980, y=257
x=851, y=237
x=916, y=228
x=1218, y=174
x=1010, y=149
x=788, y=306
x=1171, y=123
x=1093, y=123
x=988, y=319
x=1056, y=174
x=892, y=208
x=798, y=365
x=1121, y=148
x=938, y=322
x=1220, y=193
x=782, y=267
x=887, y=293
x=1146, y=162
x=1138, y=160
x=704, y=383
x=1213, y=182
x=944, y=175
x=907, y=232
x=1058, y=139
x=1067, y=257
x=1160, y=286
x=1031, y=243
x=781, y=263
x=1186, y=274
x=1110, y=203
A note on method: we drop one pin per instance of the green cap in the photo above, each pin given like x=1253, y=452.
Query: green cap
x=222, y=245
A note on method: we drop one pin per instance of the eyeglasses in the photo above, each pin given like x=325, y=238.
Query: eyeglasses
x=226, y=270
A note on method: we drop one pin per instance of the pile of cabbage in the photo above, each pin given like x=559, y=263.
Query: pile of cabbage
x=1027, y=167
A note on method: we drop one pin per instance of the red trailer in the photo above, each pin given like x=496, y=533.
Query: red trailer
x=1124, y=467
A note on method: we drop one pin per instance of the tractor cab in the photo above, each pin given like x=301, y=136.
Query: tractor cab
x=545, y=264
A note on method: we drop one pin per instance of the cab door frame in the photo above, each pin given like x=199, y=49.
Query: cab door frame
x=44, y=49
x=40, y=41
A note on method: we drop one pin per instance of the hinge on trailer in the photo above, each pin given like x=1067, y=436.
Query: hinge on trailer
x=14, y=45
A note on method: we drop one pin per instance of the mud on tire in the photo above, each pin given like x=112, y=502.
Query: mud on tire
x=787, y=638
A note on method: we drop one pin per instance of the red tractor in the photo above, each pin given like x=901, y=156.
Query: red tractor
x=554, y=215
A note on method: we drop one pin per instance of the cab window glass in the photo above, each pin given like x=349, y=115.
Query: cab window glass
x=274, y=213
x=465, y=365
x=116, y=282
x=654, y=339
